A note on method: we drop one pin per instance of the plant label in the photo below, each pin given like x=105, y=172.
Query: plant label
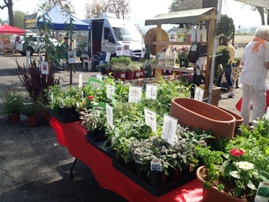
x=138, y=155
x=95, y=83
x=110, y=90
x=262, y=194
x=135, y=94
x=150, y=119
x=151, y=91
x=109, y=115
x=267, y=114
x=169, y=129
x=71, y=57
x=199, y=93
x=99, y=77
x=80, y=81
x=44, y=68
x=108, y=54
x=156, y=165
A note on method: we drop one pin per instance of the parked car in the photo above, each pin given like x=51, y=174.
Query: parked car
x=30, y=42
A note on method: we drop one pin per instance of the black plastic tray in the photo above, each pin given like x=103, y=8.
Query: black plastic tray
x=67, y=119
x=155, y=191
x=100, y=146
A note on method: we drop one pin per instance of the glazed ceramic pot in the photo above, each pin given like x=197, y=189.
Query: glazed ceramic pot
x=212, y=194
x=201, y=115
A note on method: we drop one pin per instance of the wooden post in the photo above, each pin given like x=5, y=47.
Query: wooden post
x=210, y=49
x=158, y=72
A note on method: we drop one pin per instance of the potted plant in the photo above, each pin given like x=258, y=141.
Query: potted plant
x=94, y=120
x=233, y=174
x=12, y=105
x=136, y=67
x=183, y=56
x=237, y=61
x=115, y=70
x=129, y=73
x=31, y=110
x=122, y=73
x=103, y=68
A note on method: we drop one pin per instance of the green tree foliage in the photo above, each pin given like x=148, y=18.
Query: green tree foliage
x=179, y=5
x=121, y=8
x=225, y=26
x=19, y=19
x=1, y=21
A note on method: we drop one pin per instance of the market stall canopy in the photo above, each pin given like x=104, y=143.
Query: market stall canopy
x=60, y=20
x=259, y=3
x=185, y=16
x=7, y=29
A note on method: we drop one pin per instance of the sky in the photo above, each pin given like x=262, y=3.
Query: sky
x=146, y=9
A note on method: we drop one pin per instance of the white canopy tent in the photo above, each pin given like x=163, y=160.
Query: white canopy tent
x=260, y=3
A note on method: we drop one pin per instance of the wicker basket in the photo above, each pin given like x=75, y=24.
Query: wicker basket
x=196, y=114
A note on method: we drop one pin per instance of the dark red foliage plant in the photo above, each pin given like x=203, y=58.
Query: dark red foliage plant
x=34, y=81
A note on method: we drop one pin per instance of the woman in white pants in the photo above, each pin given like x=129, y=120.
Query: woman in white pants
x=255, y=62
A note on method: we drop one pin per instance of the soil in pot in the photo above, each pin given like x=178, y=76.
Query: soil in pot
x=213, y=194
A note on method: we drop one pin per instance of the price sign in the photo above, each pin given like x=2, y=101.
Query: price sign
x=267, y=114
x=199, y=94
x=99, y=77
x=95, y=83
x=135, y=94
x=150, y=119
x=156, y=165
x=138, y=155
x=110, y=90
x=169, y=129
x=44, y=68
x=80, y=81
x=151, y=91
x=109, y=115
x=262, y=194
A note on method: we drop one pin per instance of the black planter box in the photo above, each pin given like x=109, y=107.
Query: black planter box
x=100, y=146
x=155, y=191
x=64, y=116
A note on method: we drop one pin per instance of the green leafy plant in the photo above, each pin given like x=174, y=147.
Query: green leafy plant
x=12, y=102
x=30, y=108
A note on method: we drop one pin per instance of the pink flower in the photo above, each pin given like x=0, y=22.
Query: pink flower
x=237, y=152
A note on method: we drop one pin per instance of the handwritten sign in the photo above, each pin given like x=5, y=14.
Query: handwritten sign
x=199, y=94
x=110, y=90
x=169, y=129
x=156, y=165
x=150, y=119
x=151, y=91
x=135, y=94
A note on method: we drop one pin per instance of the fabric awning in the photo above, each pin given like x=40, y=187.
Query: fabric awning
x=178, y=17
x=259, y=3
x=7, y=29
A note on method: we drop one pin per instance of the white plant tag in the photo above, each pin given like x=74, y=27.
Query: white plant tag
x=135, y=94
x=267, y=114
x=99, y=77
x=51, y=97
x=150, y=119
x=109, y=115
x=151, y=91
x=169, y=129
x=138, y=155
x=80, y=81
x=44, y=68
x=199, y=93
x=262, y=194
x=156, y=165
x=110, y=90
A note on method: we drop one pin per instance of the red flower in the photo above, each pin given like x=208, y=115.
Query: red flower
x=237, y=152
x=90, y=97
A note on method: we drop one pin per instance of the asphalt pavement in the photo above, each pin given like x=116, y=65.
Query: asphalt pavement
x=33, y=166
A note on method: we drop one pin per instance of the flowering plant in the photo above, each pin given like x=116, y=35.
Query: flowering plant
x=183, y=52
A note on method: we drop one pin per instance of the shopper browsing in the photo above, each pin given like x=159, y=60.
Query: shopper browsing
x=253, y=77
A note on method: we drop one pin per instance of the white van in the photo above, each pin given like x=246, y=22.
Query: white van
x=116, y=36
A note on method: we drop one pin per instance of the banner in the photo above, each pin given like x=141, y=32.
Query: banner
x=30, y=21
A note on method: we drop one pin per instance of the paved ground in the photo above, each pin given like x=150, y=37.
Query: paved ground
x=34, y=167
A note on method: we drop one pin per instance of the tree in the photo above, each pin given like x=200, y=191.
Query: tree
x=19, y=19
x=9, y=5
x=180, y=5
x=121, y=8
x=1, y=21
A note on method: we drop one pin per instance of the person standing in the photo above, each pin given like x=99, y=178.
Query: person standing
x=227, y=66
x=253, y=77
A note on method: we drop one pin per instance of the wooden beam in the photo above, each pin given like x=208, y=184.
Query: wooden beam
x=158, y=72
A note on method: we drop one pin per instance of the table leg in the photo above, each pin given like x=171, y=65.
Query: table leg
x=72, y=168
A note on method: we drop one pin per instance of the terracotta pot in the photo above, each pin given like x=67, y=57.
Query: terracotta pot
x=196, y=114
x=129, y=75
x=164, y=72
x=14, y=118
x=142, y=73
x=108, y=71
x=213, y=194
x=32, y=120
x=238, y=119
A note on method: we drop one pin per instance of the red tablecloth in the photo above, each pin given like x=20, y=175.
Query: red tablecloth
x=110, y=178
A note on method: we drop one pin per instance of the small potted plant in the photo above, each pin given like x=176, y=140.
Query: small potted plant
x=12, y=105
x=129, y=73
x=137, y=68
x=122, y=73
x=31, y=110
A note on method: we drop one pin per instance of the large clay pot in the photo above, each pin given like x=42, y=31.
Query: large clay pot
x=196, y=114
x=212, y=194
x=238, y=119
x=32, y=120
